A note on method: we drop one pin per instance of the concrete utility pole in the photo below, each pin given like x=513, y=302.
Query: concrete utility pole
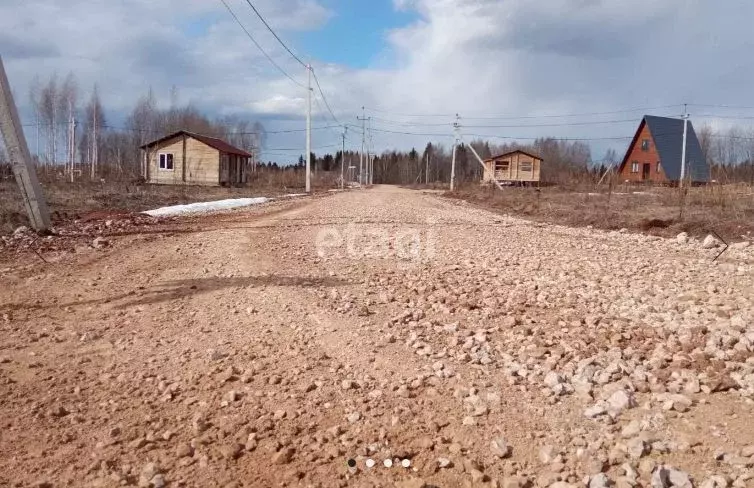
x=426, y=171
x=18, y=151
x=456, y=130
x=363, y=120
x=95, y=148
x=476, y=155
x=370, y=154
x=683, y=149
x=343, y=158
x=71, y=137
x=309, y=130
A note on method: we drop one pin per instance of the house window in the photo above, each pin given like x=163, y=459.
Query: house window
x=526, y=166
x=659, y=168
x=166, y=161
x=645, y=145
x=635, y=167
x=502, y=165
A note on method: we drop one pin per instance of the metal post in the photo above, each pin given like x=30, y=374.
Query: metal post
x=18, y=151
x=309, y=130
x=683, y=149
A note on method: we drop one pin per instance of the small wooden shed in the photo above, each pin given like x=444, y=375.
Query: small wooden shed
x=185, y=158
x=512, y=167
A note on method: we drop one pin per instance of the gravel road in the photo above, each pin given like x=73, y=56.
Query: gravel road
x=273, y=346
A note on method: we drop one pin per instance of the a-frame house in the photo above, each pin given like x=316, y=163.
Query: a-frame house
x=655, y=153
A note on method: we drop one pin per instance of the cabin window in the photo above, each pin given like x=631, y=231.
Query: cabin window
x=502, y=165
x=635, y=167
x=645, y=145
x=659, y=168
x=526, y=166
x=166, y=161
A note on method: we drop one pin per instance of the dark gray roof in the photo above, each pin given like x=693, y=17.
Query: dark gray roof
x=667, y=134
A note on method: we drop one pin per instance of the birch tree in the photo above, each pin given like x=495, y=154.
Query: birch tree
x=94, y=126
x=48, y=103
x=67, y=106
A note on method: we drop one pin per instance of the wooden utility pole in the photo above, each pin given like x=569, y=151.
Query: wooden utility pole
x=18, y=151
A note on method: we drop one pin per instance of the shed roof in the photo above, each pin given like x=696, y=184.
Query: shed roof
x=514, y=152
x=213, y=142
x=667, y=134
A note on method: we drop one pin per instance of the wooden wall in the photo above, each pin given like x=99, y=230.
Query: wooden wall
x=638, y=155
x=172, y=146
x=514, y=172
x=202, y=163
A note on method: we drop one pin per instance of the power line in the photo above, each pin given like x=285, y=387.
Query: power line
x=257, y=44
x=411, y=124
x=324, y=99
x=300, y=149
x=731, y=117
x=274, y=34
x=559, y=124
x=159, y=131
x=720, y=106
x=515, y=117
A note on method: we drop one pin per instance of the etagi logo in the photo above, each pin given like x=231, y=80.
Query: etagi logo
x=410, y=246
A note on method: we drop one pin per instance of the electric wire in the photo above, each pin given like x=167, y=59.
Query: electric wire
x=238, y=21
x=275, y=34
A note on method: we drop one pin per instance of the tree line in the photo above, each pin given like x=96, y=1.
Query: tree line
x=71, y=136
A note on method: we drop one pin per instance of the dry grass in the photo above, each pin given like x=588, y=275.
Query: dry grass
x=725, y=209
x=88, y=199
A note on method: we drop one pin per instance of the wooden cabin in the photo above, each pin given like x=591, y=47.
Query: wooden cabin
x=185, y=158
x=655, y=153
x=513, y=167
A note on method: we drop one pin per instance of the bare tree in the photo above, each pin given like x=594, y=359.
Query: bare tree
x=48, y=102
x=95, y=124
x=67, y=106
x=34, y=98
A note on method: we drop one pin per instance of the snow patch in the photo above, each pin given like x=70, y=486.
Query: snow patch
x=201, y=207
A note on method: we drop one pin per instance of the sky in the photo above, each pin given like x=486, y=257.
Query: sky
x=512, y=69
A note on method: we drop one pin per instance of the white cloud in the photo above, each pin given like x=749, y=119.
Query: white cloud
x=468, y=56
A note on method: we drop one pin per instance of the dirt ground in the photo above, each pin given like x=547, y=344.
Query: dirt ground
x=86, y=199
x=274, y=345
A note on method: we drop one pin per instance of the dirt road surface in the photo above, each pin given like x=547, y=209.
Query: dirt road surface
x=269, y=347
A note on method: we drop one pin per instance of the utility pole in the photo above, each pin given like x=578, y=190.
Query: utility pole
x=95, y=149
x=456, y=131
x=18, y=151
x=363, y=120
x=309, y=130
x=370, y=154
x=343, y=158
x=71, y=137
x=426, y=171
x=683, y=149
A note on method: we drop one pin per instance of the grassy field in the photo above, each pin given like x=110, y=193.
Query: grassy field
x=85, y=199
x=725, y=209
